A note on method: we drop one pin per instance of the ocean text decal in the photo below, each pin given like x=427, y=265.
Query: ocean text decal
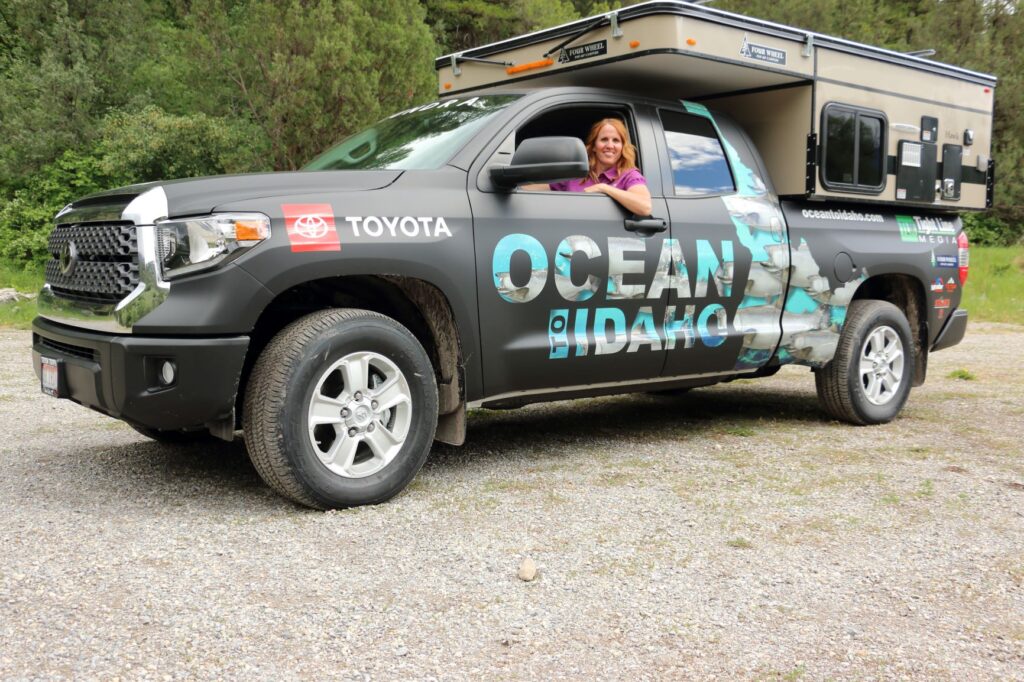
x=852, y=216
x=569, y=330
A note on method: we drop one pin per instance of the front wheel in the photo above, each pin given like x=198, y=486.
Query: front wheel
x=341, y=409
x=868, y=381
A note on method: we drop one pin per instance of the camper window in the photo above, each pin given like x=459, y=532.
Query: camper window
x=698, y=163
x=853, y=151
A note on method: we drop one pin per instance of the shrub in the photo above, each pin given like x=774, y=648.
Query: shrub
x=133, y=147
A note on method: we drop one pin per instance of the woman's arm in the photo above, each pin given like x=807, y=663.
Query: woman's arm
x=636, y=199
x=536, y=187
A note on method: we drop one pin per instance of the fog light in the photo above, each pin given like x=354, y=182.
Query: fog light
x=167, y=373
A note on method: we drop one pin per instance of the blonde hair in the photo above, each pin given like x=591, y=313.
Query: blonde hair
x=627, y=160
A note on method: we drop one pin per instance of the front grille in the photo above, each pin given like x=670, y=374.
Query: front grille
x=93, y=262
x=65, y=348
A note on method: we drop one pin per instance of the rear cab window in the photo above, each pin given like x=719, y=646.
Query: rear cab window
x=697, y=161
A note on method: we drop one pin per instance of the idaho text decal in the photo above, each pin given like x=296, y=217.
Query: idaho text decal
x=654, y=327
x=311, y=227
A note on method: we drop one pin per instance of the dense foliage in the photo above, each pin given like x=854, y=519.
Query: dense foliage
x=97, y=93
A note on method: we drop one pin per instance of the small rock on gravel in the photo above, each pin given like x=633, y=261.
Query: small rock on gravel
x=527, y=570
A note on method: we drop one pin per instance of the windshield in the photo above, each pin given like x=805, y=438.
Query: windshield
x=416, y=139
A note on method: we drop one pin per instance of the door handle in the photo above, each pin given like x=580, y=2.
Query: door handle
x=646, y=226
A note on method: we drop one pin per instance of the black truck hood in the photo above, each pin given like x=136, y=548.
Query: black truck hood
x=194, y=196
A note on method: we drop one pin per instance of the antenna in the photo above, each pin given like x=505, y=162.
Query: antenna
x=921, y=53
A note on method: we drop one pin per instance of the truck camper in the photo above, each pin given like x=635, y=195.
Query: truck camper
x=831, y=118
x=799, y=199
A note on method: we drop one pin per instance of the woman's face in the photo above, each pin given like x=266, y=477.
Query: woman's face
x=608, y=146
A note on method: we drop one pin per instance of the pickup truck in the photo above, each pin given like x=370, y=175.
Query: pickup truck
x=346, y=315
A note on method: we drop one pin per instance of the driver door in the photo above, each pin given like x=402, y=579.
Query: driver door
x=564, y=287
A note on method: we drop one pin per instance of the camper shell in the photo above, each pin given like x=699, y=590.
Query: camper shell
x=833, y=119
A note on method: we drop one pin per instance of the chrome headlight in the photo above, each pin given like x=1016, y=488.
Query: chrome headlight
x=188, y=245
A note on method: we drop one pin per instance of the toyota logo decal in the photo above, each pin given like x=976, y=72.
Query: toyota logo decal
x=311, y=226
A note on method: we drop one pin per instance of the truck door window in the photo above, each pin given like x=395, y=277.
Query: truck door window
x=576, y=121
x=698, y=162
x=854, y=149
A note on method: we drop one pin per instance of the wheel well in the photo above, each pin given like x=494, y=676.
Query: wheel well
x=419, y=306
x=907, y=294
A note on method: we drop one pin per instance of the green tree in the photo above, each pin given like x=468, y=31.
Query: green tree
x=458, y=25
x=130, y=147
x=307, y=73
x=63, y=65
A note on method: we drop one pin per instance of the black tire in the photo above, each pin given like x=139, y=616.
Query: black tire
x=176, y=437
x=850, y=395
x=304, y=359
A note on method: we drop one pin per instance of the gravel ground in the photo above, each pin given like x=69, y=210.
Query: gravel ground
x=729, y=533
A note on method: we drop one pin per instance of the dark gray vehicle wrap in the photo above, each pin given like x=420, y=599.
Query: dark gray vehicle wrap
x=549, y=294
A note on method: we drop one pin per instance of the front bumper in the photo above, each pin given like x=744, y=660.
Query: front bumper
x=120, y=375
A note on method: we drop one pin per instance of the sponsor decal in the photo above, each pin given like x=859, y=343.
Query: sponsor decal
x=455, y=103
x=762, y=53
x=926, y=230
x=398, y=227
x=937, y=285
x=951, y=284
x=850, y=216
x=578, y=52
x=604, y=329
x=946, y=261
x=311, y=227
x=942, y=303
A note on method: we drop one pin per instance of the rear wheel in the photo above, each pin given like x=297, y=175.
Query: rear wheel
x=341, y=409
x=869, y=379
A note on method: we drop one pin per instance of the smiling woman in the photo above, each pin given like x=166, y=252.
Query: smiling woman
x=613, y=169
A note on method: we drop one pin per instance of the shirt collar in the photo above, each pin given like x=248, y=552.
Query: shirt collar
x=609, y=175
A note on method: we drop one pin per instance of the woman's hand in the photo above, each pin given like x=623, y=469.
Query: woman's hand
x=599, y=187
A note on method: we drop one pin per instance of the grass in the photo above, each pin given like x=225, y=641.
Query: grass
x=961, y=373
x=740, y=543
x=995, y=288
x=28, y=280
x=19, y=315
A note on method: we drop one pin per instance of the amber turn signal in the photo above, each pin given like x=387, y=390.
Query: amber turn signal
x=250, y=230
x=540, y=63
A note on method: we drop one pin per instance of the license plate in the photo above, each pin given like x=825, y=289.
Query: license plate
x=50, y=376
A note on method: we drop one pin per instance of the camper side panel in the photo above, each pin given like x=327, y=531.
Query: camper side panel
x=930, y=112
x=778, y=122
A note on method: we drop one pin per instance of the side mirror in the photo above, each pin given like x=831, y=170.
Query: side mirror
x=543, y=159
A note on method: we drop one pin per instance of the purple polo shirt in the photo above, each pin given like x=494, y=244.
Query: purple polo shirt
x=609, y=177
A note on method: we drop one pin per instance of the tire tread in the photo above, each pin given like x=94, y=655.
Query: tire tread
x=266, y=394
x=832, y=380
